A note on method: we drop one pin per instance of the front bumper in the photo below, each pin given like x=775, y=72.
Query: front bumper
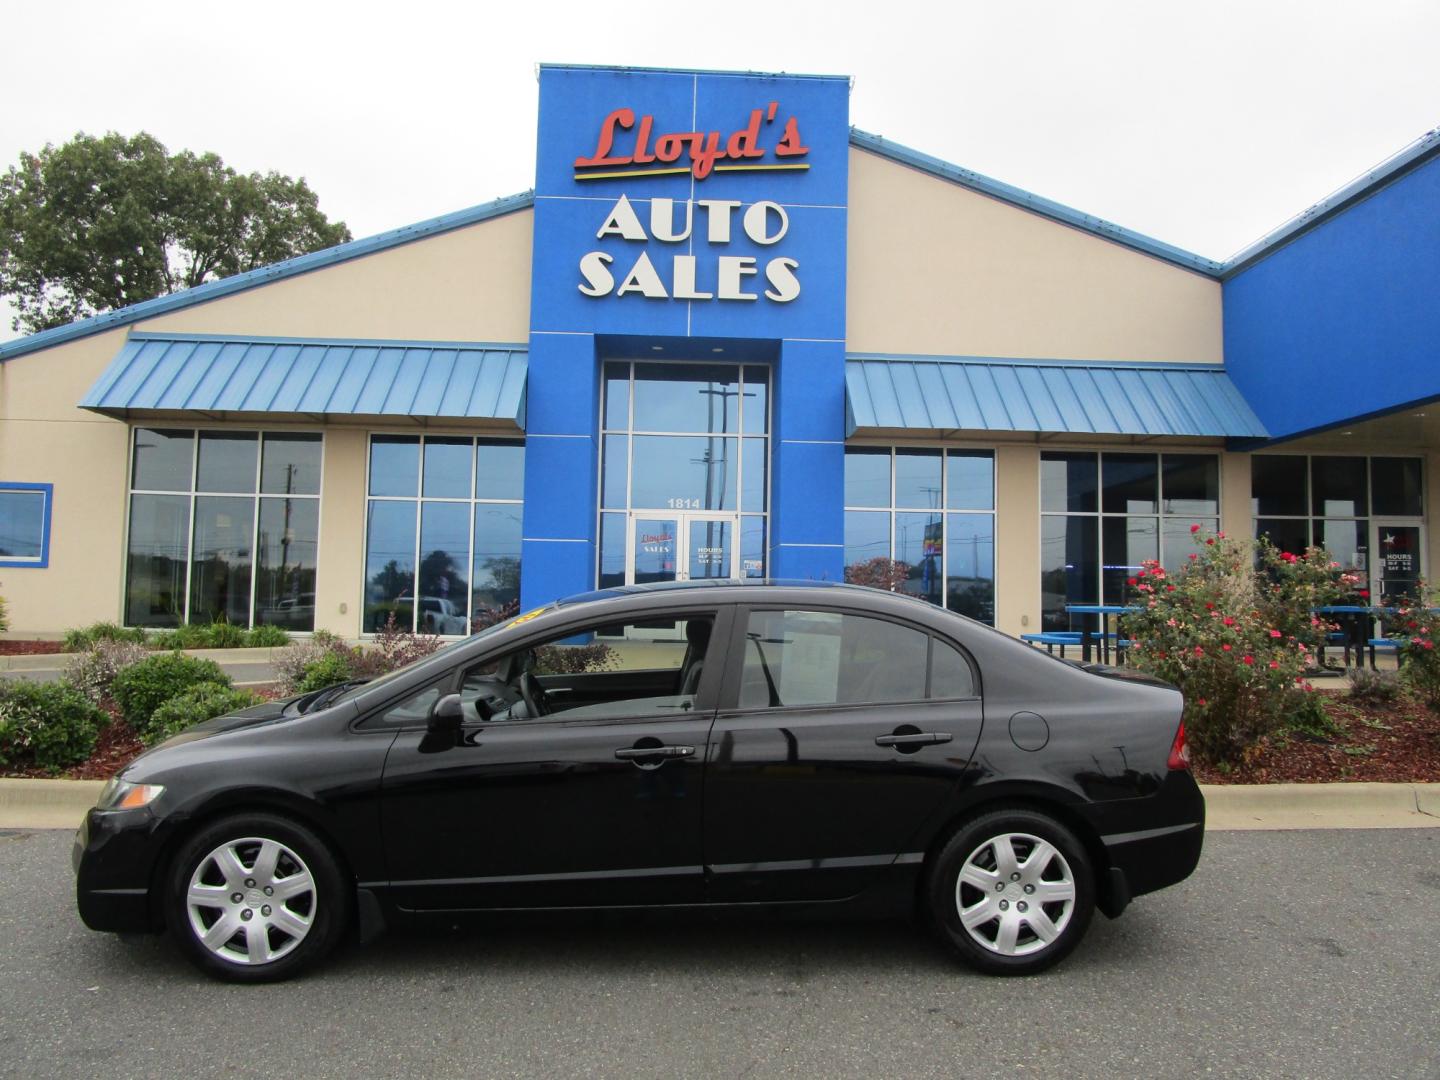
x=114, y=858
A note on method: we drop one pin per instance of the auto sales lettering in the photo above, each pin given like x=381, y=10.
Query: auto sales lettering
x=671, y=221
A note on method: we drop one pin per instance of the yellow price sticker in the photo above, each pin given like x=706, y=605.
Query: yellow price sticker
x=525, y=618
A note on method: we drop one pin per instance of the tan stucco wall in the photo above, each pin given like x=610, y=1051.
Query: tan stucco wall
x=1017, y=539
x=44, y=438
x=935, y=268
x=472, y=284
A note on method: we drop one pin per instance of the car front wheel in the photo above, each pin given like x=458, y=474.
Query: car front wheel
x=255, y=898
x=1012, y=892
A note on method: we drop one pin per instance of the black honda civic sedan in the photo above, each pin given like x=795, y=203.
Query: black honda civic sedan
x=703, y=745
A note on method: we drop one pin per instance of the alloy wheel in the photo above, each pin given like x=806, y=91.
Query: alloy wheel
x=251, y=901
x=1015, y=894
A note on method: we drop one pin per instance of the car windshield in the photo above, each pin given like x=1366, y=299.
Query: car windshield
x=497, y=628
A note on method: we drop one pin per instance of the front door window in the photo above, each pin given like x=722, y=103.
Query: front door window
x=681, y=547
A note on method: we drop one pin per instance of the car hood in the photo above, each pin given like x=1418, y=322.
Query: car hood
x=264, y=713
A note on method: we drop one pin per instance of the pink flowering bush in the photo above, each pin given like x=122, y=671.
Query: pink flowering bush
x=1235, y=630
x=1417, y=629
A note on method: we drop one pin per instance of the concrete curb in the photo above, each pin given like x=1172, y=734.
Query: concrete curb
x=46, y=804
x=1322, y=806
x=61, y=804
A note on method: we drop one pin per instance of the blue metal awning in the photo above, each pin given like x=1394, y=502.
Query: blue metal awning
x=167, y=373
x=1079, y=397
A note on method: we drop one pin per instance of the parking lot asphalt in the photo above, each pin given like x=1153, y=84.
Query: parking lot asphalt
x=1287, y=954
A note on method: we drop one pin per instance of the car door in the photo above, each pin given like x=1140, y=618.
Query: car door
x=838, y=735
x=597, y=803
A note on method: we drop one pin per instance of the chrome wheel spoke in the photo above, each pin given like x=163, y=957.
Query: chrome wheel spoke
x=1041, y=925
x=289, y=922
x=1053, y=892
x=221, y=931
x=264, y=869
x=978, y=914
x=1009, y=933
x=227, y=861
x=979, y=877
x=1006, y=862
x=294, y=885
x=209, y=896
x=257, y=942
x=1038, y=860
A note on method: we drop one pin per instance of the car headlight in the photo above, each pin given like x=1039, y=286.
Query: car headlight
x=122, y=795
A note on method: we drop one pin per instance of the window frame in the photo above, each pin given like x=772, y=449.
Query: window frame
x=1100, y=515
x=419, y=499
x=945, y=511
x=42, y=561
x=192, y=493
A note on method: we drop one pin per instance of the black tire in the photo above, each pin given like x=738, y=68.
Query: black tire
x=298, y=929
x=990, y=946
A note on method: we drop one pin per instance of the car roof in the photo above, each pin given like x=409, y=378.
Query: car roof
x=750, y=585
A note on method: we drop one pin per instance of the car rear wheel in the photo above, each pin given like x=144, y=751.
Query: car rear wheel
x=1012, y=892
x=255, y=898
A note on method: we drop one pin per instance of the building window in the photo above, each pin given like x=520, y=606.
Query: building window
x=25, y=524
x=224, y=526
x=1103, y=515
x=442, y=530
x=1331, y=501
x=931, y=510
x=684, y=471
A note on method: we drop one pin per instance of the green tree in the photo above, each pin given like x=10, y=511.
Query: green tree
x=101, y=223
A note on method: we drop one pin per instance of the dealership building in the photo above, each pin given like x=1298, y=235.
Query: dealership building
x=728, y=335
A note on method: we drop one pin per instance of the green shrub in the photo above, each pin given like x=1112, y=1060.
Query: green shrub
x=223, y=635
x=86, y=636
x=49, y=725
x=1378, y=687
x=326, y=670
x=4, y=618
x=267, y=637
x=1235, y=630
x=142, y=688
x=184, y=636
x=201, y=702
x=93, y=671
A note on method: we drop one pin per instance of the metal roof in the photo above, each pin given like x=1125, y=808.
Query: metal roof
x=317, y=377
x=1079, y=397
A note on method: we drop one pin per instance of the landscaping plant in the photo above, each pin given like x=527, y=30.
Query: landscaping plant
x=203, y=701
x=93, y=671
x=1236, y=631
x=50, y=726
x=82, y=638
x=141, y=688
x=1417, y=629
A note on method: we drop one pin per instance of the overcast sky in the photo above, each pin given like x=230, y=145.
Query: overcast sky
x=1203, y=124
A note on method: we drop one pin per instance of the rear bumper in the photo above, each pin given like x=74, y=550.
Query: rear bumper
x=1165, y=848
x=114, y=859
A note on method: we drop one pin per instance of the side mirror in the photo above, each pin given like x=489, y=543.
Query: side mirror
x=446, y=715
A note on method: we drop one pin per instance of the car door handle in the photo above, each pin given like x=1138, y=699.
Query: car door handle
x=918, y=738
x=630, y=753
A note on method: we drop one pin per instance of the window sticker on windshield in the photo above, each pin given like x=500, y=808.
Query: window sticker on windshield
x=525, y=618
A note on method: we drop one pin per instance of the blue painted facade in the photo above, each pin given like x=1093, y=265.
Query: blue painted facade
x=616, y=277
x=1340, y=321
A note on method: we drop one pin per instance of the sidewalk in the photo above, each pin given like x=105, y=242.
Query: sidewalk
x=246, y=667
x=61, y=804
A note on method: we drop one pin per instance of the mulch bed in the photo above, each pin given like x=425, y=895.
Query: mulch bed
x=30, y=648
x=1377, y=742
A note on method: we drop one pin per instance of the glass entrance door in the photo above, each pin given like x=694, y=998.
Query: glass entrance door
x=1396, y=568
x=681, y=547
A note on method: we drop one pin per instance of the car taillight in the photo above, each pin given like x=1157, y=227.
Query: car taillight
x=1179, y=750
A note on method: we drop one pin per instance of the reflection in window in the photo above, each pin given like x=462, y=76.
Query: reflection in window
x=1104, y=515
x=442, y=540
x=1329, y=500
x=22, y=523
x=798, y=658
x=216, y=551
x=913, y=544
